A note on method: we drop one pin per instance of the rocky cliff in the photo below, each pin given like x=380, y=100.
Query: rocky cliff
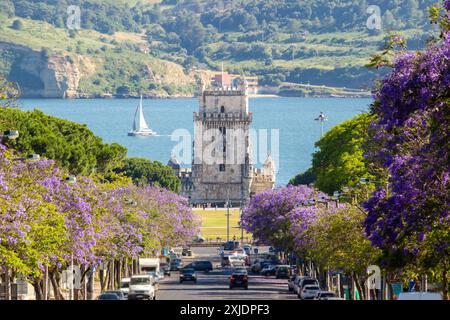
x=47, y=76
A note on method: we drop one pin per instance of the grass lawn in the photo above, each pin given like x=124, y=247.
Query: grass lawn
x=214, y=224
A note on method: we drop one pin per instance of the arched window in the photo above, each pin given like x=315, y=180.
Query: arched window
x=222, y=109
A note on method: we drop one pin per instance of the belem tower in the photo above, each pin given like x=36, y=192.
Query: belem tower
x=222, y=168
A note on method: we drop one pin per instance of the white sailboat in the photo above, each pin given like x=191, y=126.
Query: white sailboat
x=140, y=126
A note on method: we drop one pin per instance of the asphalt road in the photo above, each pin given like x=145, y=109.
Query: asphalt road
x=215, y=284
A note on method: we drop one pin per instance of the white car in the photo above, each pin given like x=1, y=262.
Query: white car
x=125, y=286
x=141, y=288
x=304, y=282
x=309, y=291
x=296, y=284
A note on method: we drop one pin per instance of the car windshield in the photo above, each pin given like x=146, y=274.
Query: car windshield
x=188, y=271
x=311, y=288
x=109, y=296
x=140, y=281
x=125, y=284
x=309, y=281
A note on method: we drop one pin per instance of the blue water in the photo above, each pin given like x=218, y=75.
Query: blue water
x=293, y=117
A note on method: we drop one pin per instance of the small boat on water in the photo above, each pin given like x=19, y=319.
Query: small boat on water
x=140, y=126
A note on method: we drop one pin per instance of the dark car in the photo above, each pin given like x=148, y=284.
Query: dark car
x=269, y=270
x=231, y=245
x=283, y=272
x=200, y=266
x=116, y=292
x=166, y=270
x=176, y=265
x=108, y=296
x=186, y=252
x=239, y=279
x=188, y=274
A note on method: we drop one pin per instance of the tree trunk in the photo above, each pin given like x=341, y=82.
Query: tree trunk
x=38, y=289
x=56, y=290
x=102, y=280
x=358, y=286
x=445, y=284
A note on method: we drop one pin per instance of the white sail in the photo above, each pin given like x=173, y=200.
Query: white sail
x=140, y=126
x=142, y=122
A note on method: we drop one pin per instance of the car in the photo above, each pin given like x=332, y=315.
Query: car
x=142, y=288
x=325, y=295
x=239, y=279
x=296, y=283
x=201, y=266
x=247, y=249
x=165, y=268
x=119, y=293
x=230, y=245
x=240, y=270
x=176, y=265
x=291, y=283
x=198, y=239
x=108, y=296
x=125, y=286
x=283, y=272
x=259, y=265
x=269, y=270
x=156, y=277
x=304, y=282
x=309, y=291
x=186, y=252
x=188, y=274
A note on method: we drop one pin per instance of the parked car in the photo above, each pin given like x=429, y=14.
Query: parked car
x=304, y=282
x=291, y=283
x=198, y=239
x=269, y=270
x=247, y=249
x=230, y=245
x=325, y=295
x=296, y=284
x=119, y=293
x=142, y=288
x=125, y=286
x=108, y=296
x=239, y=279
x=259, y=265
x=283, y=272
x=186, y=252
x=188, y=274
x=200, y=266
x=309, y=291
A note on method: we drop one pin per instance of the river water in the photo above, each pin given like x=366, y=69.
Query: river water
x=289, y=119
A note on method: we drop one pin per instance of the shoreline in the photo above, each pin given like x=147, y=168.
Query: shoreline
x=251, y=96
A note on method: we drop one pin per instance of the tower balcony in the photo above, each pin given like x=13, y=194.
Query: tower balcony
x=217, y=116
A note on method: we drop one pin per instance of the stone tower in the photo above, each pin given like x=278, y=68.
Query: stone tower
x=222, y=167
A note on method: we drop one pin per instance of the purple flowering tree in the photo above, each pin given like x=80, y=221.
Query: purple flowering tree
x=410, y=221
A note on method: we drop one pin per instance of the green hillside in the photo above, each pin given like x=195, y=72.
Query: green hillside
x=297, y=41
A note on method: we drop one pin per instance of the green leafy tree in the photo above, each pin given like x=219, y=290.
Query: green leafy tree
x=145, y=172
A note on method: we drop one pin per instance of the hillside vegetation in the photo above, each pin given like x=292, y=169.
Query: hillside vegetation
x=320, y=42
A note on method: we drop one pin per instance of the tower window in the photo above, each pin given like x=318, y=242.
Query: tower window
x=221, y=167
x=223, y=130
x=222, y=109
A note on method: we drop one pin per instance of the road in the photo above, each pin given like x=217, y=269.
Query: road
x=215, y=284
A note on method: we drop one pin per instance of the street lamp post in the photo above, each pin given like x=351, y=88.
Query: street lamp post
x=228, y=219
x=321, y=118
